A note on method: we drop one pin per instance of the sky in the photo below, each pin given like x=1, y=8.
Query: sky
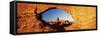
x=53, y=14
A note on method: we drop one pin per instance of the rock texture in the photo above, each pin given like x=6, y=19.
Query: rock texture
x=84, y=17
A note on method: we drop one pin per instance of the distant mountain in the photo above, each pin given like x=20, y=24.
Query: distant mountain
x=53, y=14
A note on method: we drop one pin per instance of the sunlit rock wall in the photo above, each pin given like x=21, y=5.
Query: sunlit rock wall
x=84, y=17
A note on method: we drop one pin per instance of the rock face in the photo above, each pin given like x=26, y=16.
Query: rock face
x=28, y=21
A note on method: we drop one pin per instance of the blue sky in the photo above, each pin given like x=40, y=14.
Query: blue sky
x=52, y=15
